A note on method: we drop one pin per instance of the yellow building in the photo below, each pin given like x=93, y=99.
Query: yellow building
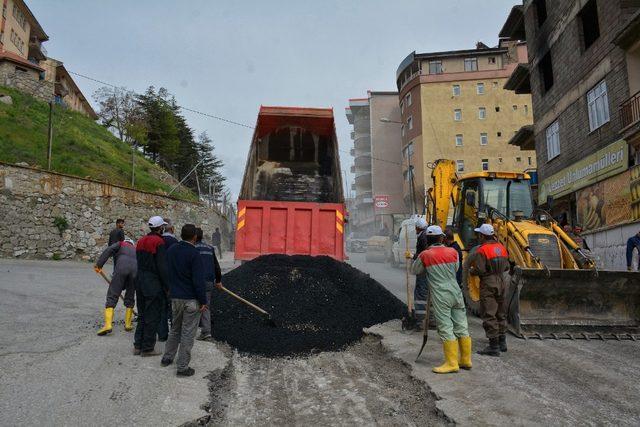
x=453, y=106
x=20, y=32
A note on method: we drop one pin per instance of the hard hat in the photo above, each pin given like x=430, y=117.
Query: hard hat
x=129, y=240
x=486, y=229
x=434, y=230
x=421, y=223
x=156, y=221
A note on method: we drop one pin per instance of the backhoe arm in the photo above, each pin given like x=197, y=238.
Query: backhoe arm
x=445, y=188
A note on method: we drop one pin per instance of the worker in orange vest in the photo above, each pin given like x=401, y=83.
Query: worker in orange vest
x=491, y=263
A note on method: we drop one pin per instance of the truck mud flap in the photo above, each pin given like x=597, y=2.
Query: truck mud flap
x=574, y=304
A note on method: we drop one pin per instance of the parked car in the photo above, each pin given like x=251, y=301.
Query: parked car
x=406, y=234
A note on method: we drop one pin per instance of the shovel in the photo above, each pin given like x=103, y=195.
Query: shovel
x=425, y=335
x=104, y=276
x=267, y=316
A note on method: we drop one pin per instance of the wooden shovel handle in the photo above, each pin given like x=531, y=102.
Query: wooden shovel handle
x=244, y=301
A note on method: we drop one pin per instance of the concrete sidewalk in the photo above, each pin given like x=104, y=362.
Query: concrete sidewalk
x=535, y=383
x=54, y=370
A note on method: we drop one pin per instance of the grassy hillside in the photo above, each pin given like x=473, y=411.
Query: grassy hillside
x=81, y=147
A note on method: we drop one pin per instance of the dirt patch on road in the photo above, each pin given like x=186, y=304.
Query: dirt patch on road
x=362, y=385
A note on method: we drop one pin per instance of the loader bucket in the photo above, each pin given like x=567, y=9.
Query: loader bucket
x=574, y=304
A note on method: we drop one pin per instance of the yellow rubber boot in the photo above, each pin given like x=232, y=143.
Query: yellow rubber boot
x=450, y=364
x=465, y=352
x=128, y=319
x=108, y=321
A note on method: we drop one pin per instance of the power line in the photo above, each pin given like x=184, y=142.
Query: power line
x=222, y=119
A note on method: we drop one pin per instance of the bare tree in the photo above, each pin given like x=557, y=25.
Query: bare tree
x=118, y=110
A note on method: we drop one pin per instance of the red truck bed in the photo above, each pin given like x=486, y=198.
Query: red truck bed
x=291, y=200
x=291, y=228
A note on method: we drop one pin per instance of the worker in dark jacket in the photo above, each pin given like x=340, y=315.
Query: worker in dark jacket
x=188, y=299
x=633, y=243
x=216, y=241
x=123, y=278
x=117, y=234
x=212, y=277
x=421, y=289
x=491, y=263
x=152, y=285
x=165, y=317
x=450, y=242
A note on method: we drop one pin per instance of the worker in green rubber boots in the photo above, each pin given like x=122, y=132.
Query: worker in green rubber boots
x=440, y=263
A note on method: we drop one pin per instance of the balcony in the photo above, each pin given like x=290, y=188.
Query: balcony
x=37, y=50
x=353, y=169
x=352, y=152
x=363, y=162
x=363, y=180
x=362, y=142
x=630, y=111
x=353, y=135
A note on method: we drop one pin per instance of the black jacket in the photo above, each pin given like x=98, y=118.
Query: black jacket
x=116, y=235
x=152, y=265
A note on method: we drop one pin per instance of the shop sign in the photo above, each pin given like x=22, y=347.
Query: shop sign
x=381, y=201
x=602, y=164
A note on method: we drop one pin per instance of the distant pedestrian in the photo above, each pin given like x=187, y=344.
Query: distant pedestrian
x=216, y=241
x=633, y=243
x=212, y=277
x=491, y=263
x=117, y=234
x=123, y=278
x=165, y=317
x=152, y=287
x=450, y=242
x=440, y=264
x=188, y=299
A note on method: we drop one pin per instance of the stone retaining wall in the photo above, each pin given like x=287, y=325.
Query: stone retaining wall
x=32, y=199
x=27, y=81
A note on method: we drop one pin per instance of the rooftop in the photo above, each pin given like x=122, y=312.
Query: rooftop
x=16, y=59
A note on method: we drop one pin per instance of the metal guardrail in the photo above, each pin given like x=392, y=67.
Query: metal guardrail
x=630, y=110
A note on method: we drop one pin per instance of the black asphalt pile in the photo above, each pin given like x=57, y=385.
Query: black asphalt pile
x=318, y=304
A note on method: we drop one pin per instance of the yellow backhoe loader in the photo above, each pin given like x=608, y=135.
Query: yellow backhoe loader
x=555, y=289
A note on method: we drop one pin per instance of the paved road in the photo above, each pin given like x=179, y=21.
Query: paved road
x=536, y=382
x=54, y=370
x=394, y=279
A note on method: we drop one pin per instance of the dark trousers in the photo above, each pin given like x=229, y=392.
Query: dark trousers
x=165, y=317
x=150, y=308
x=420, y=296
x=119, y=282
x=493, y=307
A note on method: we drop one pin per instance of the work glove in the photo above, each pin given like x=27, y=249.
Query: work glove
x=219, y=285
x=408, y=255
x=97, y=269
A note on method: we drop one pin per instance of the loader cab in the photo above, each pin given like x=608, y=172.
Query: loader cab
x=505, y=192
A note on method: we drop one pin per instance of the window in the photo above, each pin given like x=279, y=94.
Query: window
x=545, y=68
x=410, y=122
x=435, y=67
x=471, y=64
x=497, y=109
x=499, y=134
x=456, y=90
x=553, y=141
x=515, y=107
x=408, y=151
x=402, y=130
x=590, y=26
x=402, y=106
x=482, y=113
x=518, y=159
x=529, y=158
x=499, y=159
x=485, y=164
x=598, y=103
x=19, y=16
x=407, y=99
x=495, y=85
x=457, y=115
x=492, y=60
x=480, y=88
x=541, y=11
x=460, y=165
x=458, y=140
x=17, y=41
x=526, y=109
x=484, y=139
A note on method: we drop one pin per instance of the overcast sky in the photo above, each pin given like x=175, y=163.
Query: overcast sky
x=228, y=57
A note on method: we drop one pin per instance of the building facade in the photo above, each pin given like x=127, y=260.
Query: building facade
x=377, y=163
x=583, y=76
x=66, y=91
x=453, y=106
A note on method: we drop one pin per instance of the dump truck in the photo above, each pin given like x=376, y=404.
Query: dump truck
x=291, y=200
x=555, y=289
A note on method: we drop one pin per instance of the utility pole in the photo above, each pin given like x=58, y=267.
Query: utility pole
x=50, y=136
x=133, y=164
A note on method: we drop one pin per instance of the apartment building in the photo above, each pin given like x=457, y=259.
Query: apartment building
x=583, y=73
x=66, y=91
x=453, y=106
x=377, y=162
x=20, y=32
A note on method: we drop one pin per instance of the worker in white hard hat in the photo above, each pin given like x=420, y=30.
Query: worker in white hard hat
x=491, y=263
x=122, y=279
x=440, y=264
x=152, y=287
x=421, y=289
